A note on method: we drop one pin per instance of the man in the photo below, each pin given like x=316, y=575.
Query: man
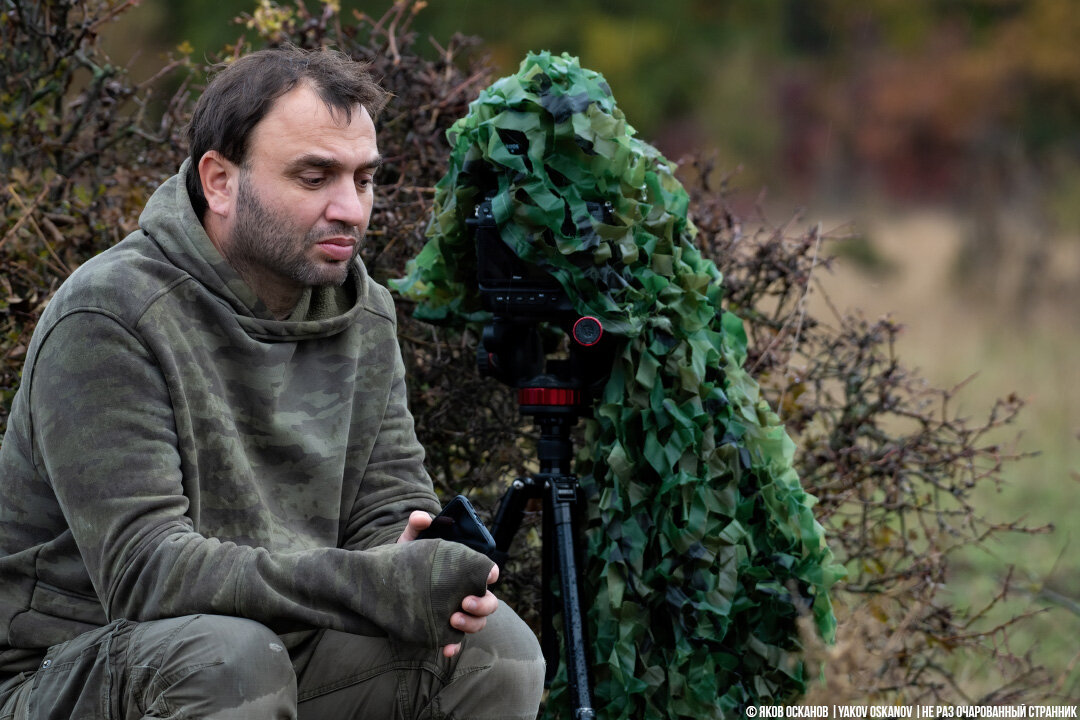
x=211, y=487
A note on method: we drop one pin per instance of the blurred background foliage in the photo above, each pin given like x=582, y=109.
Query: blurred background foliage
x=905, y=89
x=970, y=106
x=933, y=145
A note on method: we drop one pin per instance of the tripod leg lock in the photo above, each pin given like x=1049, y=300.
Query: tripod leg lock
x=565, y=489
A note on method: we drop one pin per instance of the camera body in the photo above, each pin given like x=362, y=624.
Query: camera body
x=527, y=303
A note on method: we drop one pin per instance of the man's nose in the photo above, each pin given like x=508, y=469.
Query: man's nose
x=349, y=204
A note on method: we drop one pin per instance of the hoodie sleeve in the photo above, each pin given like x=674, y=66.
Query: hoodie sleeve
x=394, y=480
x=104, y=437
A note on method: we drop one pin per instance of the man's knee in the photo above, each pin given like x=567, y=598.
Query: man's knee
x=197, y=666
x=516, y=646
x=504, y=664
x=234, y=663
x=234, y=641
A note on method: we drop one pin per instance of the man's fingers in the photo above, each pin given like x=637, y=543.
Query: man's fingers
x=476, y=610
x=493, y=575
x=480, y=606
x=467, y=623
x=451, y=650
x=418, y=521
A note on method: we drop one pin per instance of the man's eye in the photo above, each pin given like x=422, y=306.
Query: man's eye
x=365, y=182
x=312, y=180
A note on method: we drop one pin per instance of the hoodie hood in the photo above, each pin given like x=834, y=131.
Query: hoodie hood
x=171, y=222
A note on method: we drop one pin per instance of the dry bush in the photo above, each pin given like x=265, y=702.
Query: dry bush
x=894, y=468
x=81, y=152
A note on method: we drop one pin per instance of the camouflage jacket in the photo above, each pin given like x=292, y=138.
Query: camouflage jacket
x=173, y=449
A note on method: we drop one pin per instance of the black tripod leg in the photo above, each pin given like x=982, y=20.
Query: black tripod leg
x=548, y=643
x=507, y=522
x=563, y=499
x=510, y=514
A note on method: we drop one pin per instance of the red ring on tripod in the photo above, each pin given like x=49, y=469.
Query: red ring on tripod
x=560, y=397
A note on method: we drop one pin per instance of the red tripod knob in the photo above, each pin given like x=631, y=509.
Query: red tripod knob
x=587, y=331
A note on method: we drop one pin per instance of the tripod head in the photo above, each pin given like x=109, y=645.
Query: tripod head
x=535, y=341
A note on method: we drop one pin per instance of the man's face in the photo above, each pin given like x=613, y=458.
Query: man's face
x=267, y=239
x=304, y=197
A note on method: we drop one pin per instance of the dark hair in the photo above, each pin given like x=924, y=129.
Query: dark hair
x=244, y=90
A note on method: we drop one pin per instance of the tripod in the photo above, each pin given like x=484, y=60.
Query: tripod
x=521, y=297
x=554, y=406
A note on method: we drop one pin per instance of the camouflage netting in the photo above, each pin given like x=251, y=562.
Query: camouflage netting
x=702, y=549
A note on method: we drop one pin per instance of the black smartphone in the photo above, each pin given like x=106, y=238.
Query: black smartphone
x=458, y=522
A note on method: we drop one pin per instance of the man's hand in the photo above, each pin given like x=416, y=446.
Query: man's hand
x=474, y=610
x=418, y=522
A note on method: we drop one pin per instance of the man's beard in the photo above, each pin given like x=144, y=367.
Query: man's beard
x=264, y=240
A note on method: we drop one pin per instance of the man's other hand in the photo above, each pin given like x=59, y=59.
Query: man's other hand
x=474, y=610
x=418, y=522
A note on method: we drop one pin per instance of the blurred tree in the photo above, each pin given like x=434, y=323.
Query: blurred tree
x=662, y=58
x=972, y=102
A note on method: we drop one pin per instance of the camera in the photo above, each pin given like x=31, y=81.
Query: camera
x=527, y=304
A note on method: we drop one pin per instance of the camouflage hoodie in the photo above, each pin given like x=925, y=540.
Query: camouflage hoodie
x=173, y=449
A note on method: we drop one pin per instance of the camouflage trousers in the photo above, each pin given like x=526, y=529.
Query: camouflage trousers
x=209, y=666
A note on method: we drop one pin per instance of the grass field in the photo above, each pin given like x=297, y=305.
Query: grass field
x=949, y=337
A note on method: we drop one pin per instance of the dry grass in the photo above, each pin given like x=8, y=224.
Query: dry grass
x=954, y=337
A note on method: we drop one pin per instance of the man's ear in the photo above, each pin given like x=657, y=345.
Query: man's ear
x=220, y=182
